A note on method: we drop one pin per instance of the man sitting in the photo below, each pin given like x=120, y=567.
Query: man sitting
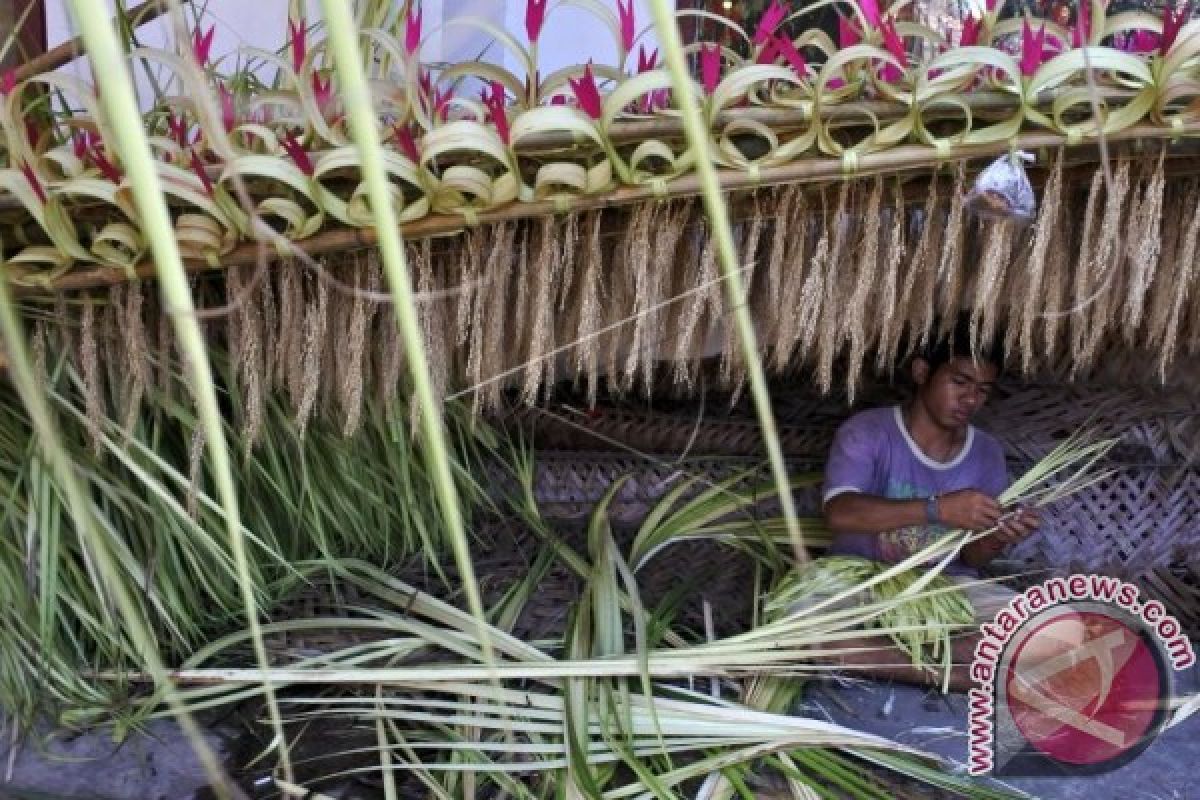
x=899, y=477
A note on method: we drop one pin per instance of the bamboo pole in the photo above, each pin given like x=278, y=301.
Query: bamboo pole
x=906, y=158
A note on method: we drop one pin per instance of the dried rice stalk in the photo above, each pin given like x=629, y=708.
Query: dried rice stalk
x=432, y=308
x=812, y=293
x=1165, y=337
x=694, y=313
x=538, y=369
x=267, y=312
x=775, y=315
x=1045, y=231
x=165, y=349
x=830, y=329
x=587, y=349
x=855, y=320
x=733, y=368
x=291, y=328
x=90, y=372
x=195, y=470
x=1144, y=244
x=997, y=252
x=311, y=348
x=637, y=262
x=785, y=292
x=1104, y=259
x=889, y=309
x=351, y=359
x=569, y=243
x=950, y=266
x=916, y=301
x=499, y=297
x=137, y=353
x=468, y=296
x=523, y=282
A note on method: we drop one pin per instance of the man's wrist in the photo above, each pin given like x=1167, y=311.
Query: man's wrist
x=933, y=514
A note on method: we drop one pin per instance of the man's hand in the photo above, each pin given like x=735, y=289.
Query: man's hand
x=968, y=509
x=1016, y=525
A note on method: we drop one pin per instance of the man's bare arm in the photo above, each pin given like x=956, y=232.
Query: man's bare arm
x=855, y=512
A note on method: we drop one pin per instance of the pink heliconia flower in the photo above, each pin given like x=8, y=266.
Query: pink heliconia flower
x=535, y=16
x=322, y=91
x=407, y=141
x=202, y=44
x=770, y=20
x=298, y=153
x=625, y=12
x=412, y=28
x=8, y=82
x=106, y=167
x=835, y=83
x=441, y=102
x=298, y=36
x=201, y=173
x=781, y=45
x=646, y=62
x=586, y=92
x=972, y=27
x=1173, y=19
x=848, y=35
x=895, y=45
x=34, y=183
x=228, y=109
x=1081, y=34
x=870, y=11
x=558, y=100
x=1033, y=47
x=1141, y=41
x=710, y=67
x=497, y=110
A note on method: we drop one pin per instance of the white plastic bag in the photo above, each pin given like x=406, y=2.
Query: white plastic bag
x=1002, y=191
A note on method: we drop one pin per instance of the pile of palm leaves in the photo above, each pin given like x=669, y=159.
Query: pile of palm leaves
x=317, y=496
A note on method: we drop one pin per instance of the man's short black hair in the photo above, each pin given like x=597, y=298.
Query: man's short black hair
x=946, y=346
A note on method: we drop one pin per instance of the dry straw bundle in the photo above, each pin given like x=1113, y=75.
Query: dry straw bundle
x=843, y=279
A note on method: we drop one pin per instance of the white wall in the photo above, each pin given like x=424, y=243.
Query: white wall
x=570, y=35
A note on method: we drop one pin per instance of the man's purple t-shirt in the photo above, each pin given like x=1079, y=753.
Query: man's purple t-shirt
x=874, y=453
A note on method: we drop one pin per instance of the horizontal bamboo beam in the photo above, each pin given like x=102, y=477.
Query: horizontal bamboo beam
x=897, y=160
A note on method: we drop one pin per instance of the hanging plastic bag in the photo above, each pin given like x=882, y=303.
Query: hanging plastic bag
x=1002, y=191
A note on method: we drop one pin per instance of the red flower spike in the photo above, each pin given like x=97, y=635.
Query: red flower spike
x=106, y=167
x=441, y=103
x=8, y=82
x=1173, y=19
x=494, y=100
x=972, y=27
x=403, y=134
x=79, y=144
x=298, y=154
x=535, y=17
x=646, y=62
x=768, y=54
x=412, y=29
x=1081, y=34
x=770, y=20
x=202, y=44
x=558, y=100
x=793, y=56
x=1032, y=48
x=895, y=45
x=710, y=67
x=848, y=35
x=34, y=183
x=228, y=111
x=870, y=10
x=298, y=33
x=202, y=174
x=32, y=134
x=628, y=22
x=586, y=92
x=322, y=92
